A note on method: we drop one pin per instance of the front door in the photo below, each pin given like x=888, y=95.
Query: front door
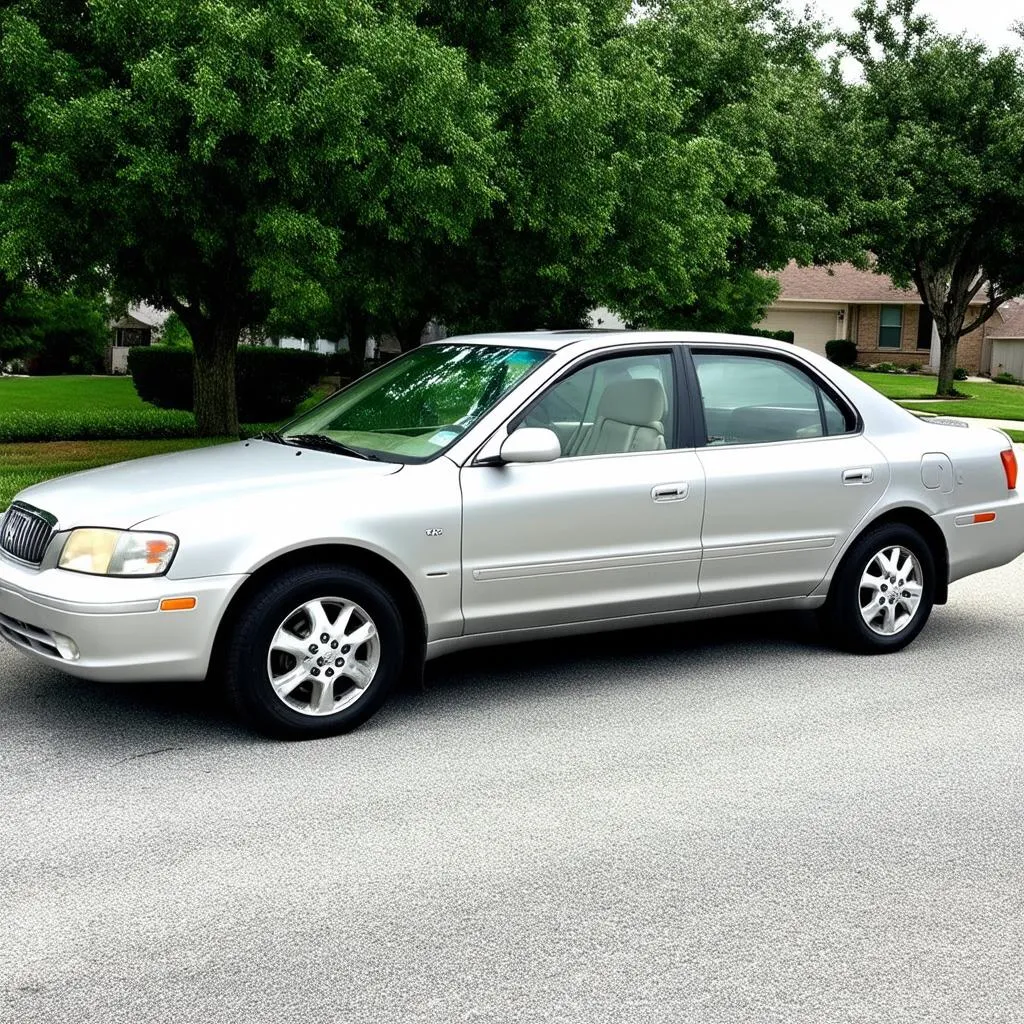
x=610, y=529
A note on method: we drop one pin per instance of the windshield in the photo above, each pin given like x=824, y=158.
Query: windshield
x=415, y=407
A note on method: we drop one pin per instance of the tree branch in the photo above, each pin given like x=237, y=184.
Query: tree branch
x=994, y=302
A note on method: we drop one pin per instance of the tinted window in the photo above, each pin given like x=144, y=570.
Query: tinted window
x=752, y=399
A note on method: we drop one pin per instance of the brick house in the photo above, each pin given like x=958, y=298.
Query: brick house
x=888, y=324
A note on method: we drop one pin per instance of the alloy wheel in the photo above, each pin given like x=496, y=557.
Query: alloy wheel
x=323, y=656
x=890, y=590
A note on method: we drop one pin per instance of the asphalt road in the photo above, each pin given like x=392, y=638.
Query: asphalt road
x=725, y=823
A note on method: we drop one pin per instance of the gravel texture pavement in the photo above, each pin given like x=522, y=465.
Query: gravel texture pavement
x=724, y=822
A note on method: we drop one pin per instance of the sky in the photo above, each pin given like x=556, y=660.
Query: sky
x=988, y=20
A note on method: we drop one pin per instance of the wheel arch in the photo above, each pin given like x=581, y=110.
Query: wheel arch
x=377, y=566
x=929, y=530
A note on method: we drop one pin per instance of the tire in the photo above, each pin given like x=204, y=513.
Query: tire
x=871, y=617
x=286, y=680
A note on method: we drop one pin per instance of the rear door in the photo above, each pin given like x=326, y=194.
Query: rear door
x=788, y=474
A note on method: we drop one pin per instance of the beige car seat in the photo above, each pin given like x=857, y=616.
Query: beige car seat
x=629, y=418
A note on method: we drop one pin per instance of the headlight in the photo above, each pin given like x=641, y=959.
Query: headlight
x=118, y=552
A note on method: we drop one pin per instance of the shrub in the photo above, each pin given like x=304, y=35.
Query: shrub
x=1005, y=378
x=787, y=336
x=271, y=381
x=913, y=367
x=162, y=376
x=885, y=368
x=841, y=351
x=959, y=373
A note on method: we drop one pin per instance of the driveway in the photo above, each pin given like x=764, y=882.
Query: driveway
x=722, y=823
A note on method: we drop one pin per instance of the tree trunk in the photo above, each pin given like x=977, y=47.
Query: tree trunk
x=213, y=380
x=947, y=363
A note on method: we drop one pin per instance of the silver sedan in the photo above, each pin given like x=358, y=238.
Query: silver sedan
x=494, y=488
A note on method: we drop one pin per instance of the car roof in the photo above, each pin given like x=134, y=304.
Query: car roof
x=552, y=341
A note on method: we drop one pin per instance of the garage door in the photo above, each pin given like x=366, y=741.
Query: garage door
x=1008, y=357
x=811, y=328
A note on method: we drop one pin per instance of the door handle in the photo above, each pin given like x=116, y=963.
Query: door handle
x=858, y=476
x=670, y=492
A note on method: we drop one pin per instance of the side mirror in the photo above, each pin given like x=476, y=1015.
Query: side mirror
x=531, y=444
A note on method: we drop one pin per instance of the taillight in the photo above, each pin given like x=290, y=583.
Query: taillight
x=1009, y=468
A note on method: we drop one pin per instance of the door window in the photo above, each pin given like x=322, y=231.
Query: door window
x=613, y=406
x=753, y=399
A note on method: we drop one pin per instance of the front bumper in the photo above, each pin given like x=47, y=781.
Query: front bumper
x=112, y=630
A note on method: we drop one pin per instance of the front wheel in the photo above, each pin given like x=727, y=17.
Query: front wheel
x=317, y=652
x=883, y=593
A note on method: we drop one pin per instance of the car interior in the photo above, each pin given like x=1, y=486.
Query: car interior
x=610, y=407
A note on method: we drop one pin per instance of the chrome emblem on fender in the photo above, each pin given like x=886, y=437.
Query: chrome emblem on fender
x=435, y=531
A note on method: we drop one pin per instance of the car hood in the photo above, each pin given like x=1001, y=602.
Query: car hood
x=127, y=493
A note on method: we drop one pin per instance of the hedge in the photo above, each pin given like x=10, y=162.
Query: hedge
x=841, y=351
x=787, y=336
x=271, y=382
x=94, y=425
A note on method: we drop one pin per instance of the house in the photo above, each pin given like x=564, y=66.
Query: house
x=888, y=324
x=128, y=332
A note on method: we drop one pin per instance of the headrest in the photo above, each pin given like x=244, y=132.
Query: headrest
x=637, y=402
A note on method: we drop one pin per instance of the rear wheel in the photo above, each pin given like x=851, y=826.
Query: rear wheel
x=883, y=593
x=317, y=652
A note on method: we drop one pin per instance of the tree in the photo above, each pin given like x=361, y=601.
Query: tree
x=942, y=159
x=653, y=157
x=53, y=332
x=216, y=156
x=746, y=91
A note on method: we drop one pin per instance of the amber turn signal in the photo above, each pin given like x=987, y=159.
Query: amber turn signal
x=177, y=604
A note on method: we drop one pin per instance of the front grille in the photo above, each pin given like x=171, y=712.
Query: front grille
x=25, y=532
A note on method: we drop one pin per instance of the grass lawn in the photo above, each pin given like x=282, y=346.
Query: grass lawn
x=990, y=401
x=58, y=394
x=24, y=464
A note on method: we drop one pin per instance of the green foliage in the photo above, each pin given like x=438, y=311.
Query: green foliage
x=162, y=376
x=271, y=382
x=347, y=166
x=959, y=373
x=1005, y=378
x=885, y=368
x=841, y=351
x=175, y=333
x=941, y=161
x=220, y=158
x=53, y=332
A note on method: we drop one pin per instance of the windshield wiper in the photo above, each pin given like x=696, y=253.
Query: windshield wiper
x=323, y=443
x=269, y=435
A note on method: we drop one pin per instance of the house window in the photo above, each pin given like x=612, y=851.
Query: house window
x=890, y=327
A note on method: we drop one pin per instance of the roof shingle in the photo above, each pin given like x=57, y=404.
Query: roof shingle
x=842, y=282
